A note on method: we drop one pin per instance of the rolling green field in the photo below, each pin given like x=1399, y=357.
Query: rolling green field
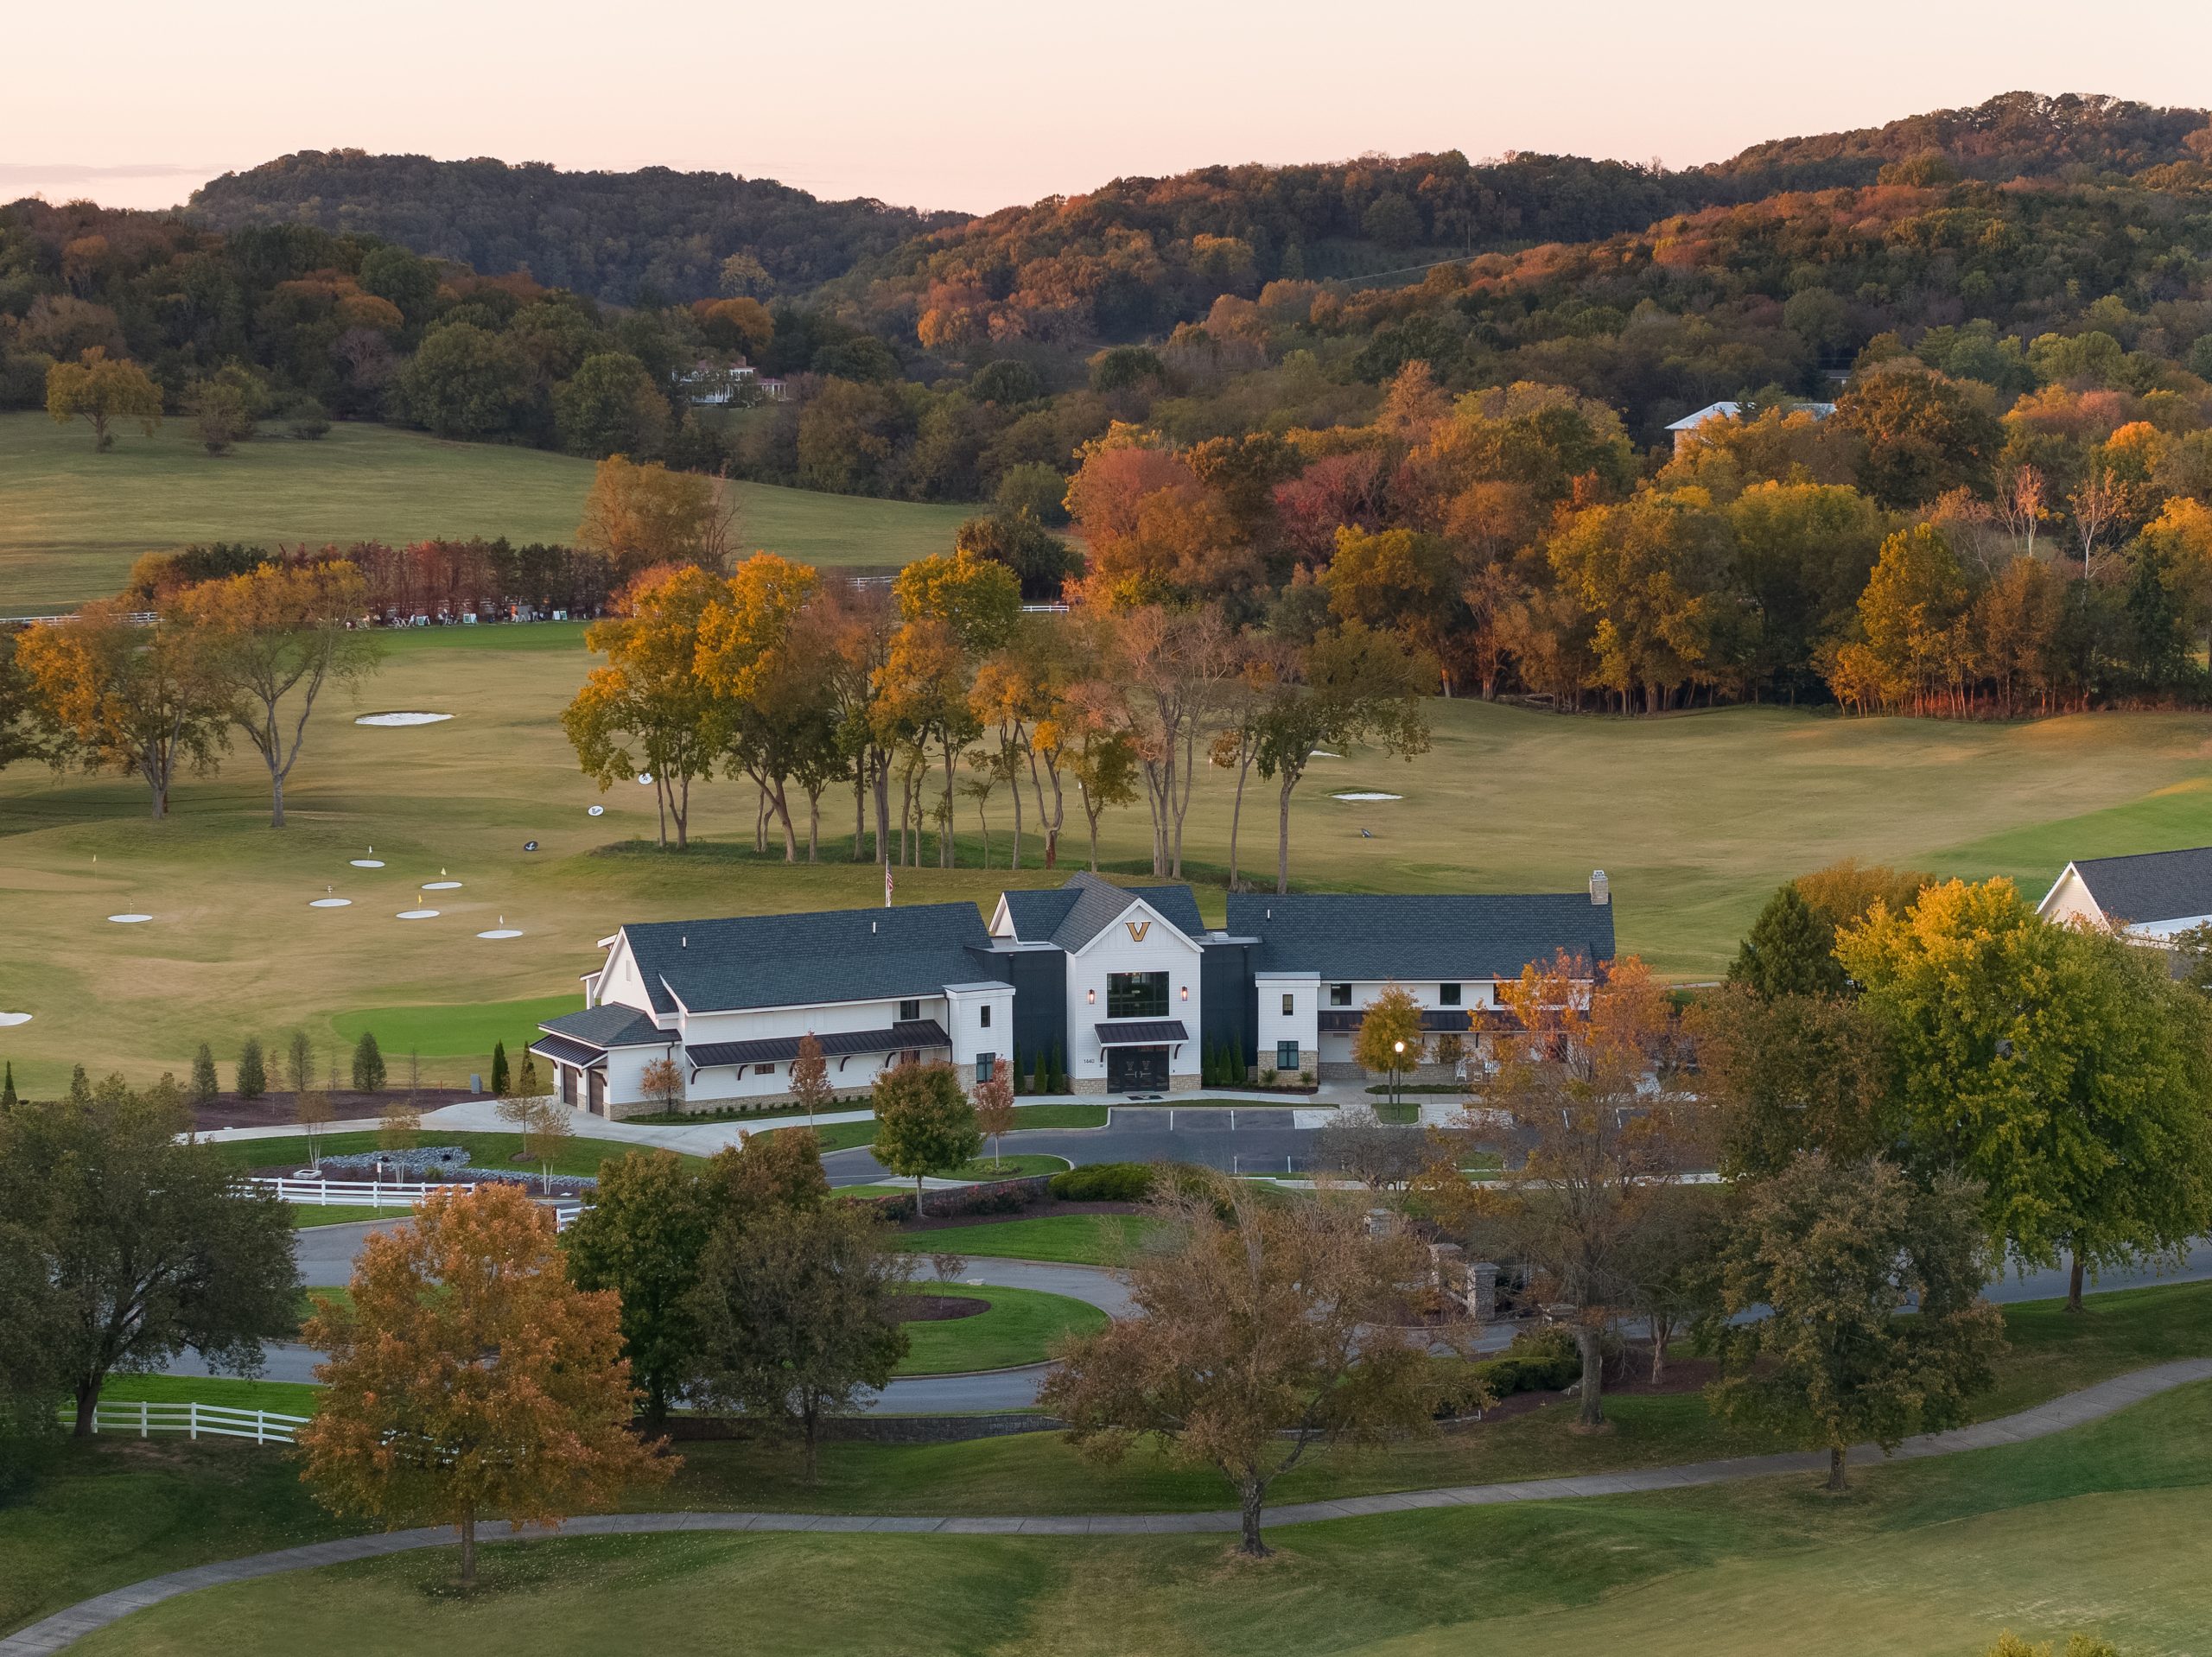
x=2094, y=1530
x=76, y=518
x=1695, y=818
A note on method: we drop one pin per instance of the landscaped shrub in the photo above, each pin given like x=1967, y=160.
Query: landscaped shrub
x=1000, y=1197
x=1059, y=1070
x=205, y=1086
x=368, y=1064
x=1042, y=1080
x=1238, y=1073
x=1105, y=1182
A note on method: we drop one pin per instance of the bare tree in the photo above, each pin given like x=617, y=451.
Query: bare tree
x=2021, y=505
x=1359, y=1145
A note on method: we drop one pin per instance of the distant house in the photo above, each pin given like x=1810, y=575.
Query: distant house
x=717, y=384
x=1728, y=411
x=2152, y=895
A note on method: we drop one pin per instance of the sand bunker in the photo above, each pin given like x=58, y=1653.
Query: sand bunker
x=129, y=920
x=442, y=885
x=401, y=718
x=368, y=862
x=502, y=932
x=330, y=902
x=596, y=811
x=417, y=914
x=9, y=1020
x=1365, y=793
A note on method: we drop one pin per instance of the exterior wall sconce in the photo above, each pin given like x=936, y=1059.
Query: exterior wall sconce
x=1090, y=996
x=1186, y=992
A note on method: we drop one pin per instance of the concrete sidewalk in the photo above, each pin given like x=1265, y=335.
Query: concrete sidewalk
x=2075, y=1409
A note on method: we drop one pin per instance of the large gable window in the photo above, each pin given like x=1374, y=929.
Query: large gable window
x=1136, y=994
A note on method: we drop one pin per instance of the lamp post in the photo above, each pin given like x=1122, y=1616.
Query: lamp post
x=1397, y=1070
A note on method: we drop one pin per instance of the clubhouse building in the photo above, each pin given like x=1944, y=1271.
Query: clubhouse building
x=1124, y=989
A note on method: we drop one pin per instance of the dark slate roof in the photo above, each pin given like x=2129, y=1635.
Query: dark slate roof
x=610, y=1025
x=569, y=1052
x=834, y=955
x=770, y=1050
x=1445, y=936
x=2151, y=886
x=1141, y=1033
x=1087, y=905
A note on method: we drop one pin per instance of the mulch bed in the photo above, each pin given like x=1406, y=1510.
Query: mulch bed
x=1034, y=1211
x=274, y=1110
x=914, y=1307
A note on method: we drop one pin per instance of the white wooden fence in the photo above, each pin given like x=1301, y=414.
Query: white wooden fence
x=199, y=1420
x=357, y=1193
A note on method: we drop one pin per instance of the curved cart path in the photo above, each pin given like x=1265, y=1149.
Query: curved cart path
x=2073, y=1409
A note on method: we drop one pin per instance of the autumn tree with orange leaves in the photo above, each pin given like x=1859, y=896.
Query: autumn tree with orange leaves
x=467, y=1377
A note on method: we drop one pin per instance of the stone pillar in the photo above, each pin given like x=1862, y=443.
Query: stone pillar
x=1482, y=1290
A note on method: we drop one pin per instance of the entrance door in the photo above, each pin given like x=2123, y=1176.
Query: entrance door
x=598, y=1105
x=1136, y=1070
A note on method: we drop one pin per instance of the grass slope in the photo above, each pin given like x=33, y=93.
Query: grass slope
x=77, y=518
x=2093, y=1530
x=1065, y=1239
x=1695, y=819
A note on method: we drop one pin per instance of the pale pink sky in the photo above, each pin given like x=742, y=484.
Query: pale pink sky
x=975, y=104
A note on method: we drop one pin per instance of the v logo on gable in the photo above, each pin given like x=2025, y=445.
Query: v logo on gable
x=1137, y=930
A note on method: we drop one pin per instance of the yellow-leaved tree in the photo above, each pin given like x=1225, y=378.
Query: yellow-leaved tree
x=469, y=1378
x=98, y=388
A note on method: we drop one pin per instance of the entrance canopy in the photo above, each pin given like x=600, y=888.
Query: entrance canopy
x=1140, y=1032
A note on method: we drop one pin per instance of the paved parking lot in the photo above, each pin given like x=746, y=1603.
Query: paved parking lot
x=1236, y=1139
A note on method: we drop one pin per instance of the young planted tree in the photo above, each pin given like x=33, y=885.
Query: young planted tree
x=271, y=639
x=1390, y=1039
x=994, y=1109
x=642, y=1238
x=252, y=1076
x=501, y=1080
x=810, y=1077
x=131, y=697
x=311, y=1111
x=368, y=1064
x=467, y=1377
x=1873, y=1323
x=796, y=1313
x=663, y=1081
x=544, y=1126
x=526, y=1083
x=401, y=1128
x=2061, y=1069
x=144, y=1244
x=205, y=1082
x=1588, y=1149
x=923, y=1123
x=7, y=1085
x=1263, y=1331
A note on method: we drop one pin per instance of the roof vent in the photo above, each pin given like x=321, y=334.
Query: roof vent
x=1600, y=891
x=871, y=926
x=684, y=943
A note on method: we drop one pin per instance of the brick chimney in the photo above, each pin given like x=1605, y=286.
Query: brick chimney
x=1600, y=891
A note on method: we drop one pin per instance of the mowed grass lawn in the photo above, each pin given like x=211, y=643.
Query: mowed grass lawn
x=76, y=518
x=2095, y=1530
x=1062, y=1239
x=1695, y=819
x=1020, y=1327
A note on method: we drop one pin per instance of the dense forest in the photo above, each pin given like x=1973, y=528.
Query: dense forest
x=1466, y=446
x=630, y=238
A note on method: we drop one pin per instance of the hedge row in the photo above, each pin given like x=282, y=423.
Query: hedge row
x=1000, y=1197
x=1539, y=1361
x=1105, y=1182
